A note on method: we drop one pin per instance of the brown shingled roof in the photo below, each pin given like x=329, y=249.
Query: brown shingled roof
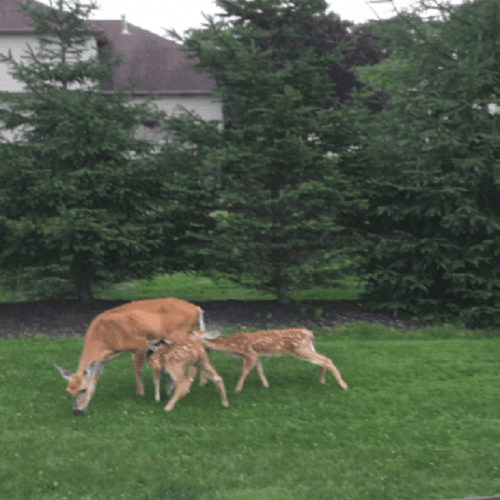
x=157, y=62
x=12, y=20
x=153, y=62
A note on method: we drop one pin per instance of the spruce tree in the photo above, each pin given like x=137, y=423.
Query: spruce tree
x=431, y=170
x=81, y=200
x=281, y=197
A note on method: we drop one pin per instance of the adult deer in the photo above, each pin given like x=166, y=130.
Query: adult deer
x=128, y=328
x=298, y=342
x=175, y=359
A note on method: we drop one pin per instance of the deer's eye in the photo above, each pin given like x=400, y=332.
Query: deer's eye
x=82, y=391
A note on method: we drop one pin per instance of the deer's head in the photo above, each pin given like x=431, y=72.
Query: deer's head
x=81, y=387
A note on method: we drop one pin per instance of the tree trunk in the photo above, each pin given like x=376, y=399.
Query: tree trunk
x=83, y=291
x=82, y=280
x=283, y=301
x=282, y=287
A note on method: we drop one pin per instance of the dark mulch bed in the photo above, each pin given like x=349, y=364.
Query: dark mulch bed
x=67, y=317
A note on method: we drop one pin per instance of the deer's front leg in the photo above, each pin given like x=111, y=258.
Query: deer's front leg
x=138, y=358
x=192, y=373
x=170, y=383
x=322, y=373
x=182, y=385
x=209, y=371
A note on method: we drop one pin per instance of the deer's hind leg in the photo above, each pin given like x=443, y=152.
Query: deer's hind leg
x=208, y=371
x=251, y=360
x=325, y=363
x=260, y=371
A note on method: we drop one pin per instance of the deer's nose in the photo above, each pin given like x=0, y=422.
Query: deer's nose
x=77, y=412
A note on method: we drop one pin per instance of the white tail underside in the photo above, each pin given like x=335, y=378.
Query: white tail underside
x=202, y=323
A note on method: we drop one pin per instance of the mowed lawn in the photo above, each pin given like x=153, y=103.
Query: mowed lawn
x=420, y=421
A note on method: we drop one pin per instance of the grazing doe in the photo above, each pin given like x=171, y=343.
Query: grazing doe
x=298, y=342
x=177, y=358
x=128, y=328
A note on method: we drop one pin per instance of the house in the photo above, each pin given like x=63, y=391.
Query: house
x=156, y=64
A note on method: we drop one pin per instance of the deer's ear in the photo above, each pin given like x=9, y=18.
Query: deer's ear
x=153, y=344
x=65, y=373
x=93, y=369
x=212, y=334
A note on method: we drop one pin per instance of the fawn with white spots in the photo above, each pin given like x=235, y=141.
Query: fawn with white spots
x=297, y=342
x=176, y=359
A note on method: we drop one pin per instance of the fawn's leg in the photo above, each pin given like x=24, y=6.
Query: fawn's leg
x=169, y=384
x=323, y=362
x=156, y=381
x=251, y=360
x=203, y=376
x=192, y=373
x=182, y=384
x=209, y=372
x=322, y=373
x=322, y=370
x=260, y=371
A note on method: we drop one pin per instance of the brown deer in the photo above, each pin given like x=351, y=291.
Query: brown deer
x=297, y=342
x=176, y=359
x=128, y=328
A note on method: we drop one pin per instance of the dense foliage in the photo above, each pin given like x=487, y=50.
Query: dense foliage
x=81, y=199
x=433, y=172
x=281, y=197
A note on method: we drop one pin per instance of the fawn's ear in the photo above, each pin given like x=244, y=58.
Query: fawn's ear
x=154, y=344
x=212, y=334
x=65, y=373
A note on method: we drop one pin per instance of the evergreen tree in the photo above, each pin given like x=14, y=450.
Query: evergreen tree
x=281, y=196
x=81, y=200
x=359, y=49
x=432, y=165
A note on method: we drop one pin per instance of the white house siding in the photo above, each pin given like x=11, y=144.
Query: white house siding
x=204, y=106
x=18, y=44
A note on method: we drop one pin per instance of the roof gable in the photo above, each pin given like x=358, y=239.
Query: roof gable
x=154, y=63
x=12, y=19
x=158, y=64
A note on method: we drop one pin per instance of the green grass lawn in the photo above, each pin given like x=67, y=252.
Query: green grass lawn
x=421, y=420
x=191, y=287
